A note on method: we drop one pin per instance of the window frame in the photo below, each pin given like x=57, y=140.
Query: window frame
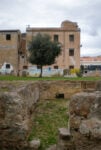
x=8, y=37
x=8, y=66
x=71, y=51
x=71, y=37
x=71, y=67
x=56, y=67
x=56, y=38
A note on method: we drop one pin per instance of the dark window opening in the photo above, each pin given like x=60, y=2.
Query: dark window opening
x=56, y=38
x=20, y=52
x=25, y=67
x=8, y=37
x=60, y=95
x=71, y=38
x=71, y=52
x=7, y=66
x=71, y=67
x=56, y=67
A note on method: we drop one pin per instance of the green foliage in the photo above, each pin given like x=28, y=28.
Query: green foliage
x=79, y=73
x=76, y=71
x=15, y=78
x=82, y=69
x=42, y=50
x=50, y=115
x=66, y=71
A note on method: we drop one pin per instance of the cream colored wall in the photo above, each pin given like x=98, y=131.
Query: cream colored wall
x=64, y=60
x=9, y=49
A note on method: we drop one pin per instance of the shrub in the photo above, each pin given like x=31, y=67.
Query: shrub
x=76, y=71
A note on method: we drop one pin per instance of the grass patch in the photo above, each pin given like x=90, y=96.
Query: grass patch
x=15, y=78
x=50, y=115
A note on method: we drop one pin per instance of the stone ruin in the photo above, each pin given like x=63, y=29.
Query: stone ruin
x=85, y=119
x=17, y=106
x=84, y=126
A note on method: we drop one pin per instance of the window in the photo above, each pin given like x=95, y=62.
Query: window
x=56, y=67
x=71, y=52
x=7, y=66
x=71, y=38
x=56, y=38
x=20, y=52
x=25, y=67
x=8, y=37
x=71, y=67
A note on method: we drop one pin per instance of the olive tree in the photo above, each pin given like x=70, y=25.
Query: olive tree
x=43, y=51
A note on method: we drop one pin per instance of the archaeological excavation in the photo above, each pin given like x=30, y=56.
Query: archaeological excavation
x=17, y=108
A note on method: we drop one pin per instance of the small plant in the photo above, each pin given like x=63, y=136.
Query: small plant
x=77, y=72
x=66, y=72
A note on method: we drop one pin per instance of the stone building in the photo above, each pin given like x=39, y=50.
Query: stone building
x=11, y=51
x=13, y=46
x=69, y=36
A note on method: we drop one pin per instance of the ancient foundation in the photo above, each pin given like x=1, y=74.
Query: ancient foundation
x=84, y=127
x=17, y=106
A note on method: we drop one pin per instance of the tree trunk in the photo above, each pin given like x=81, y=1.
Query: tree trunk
x=41, y=71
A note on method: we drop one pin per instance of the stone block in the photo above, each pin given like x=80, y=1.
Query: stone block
x=64, y=134
x=34, y=144
x=85, y=119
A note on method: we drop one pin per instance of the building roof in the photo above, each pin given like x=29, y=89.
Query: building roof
x=86, y=61
x=7, y=30
x=89, y=59
x=65, y=26
x=66, y=23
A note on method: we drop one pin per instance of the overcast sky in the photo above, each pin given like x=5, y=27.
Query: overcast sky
x=17, y=14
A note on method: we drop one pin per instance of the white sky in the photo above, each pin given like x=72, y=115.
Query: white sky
x=17, y=14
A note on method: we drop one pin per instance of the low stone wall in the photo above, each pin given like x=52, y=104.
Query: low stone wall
x=85, y=120
x=84, y=126
x=17, y=105
x=51, y=89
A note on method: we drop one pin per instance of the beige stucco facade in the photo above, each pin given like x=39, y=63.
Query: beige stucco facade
x=69, y=36
x=11, y=50
x=14, y=46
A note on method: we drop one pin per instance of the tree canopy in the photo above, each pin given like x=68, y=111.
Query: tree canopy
x=43, y=51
